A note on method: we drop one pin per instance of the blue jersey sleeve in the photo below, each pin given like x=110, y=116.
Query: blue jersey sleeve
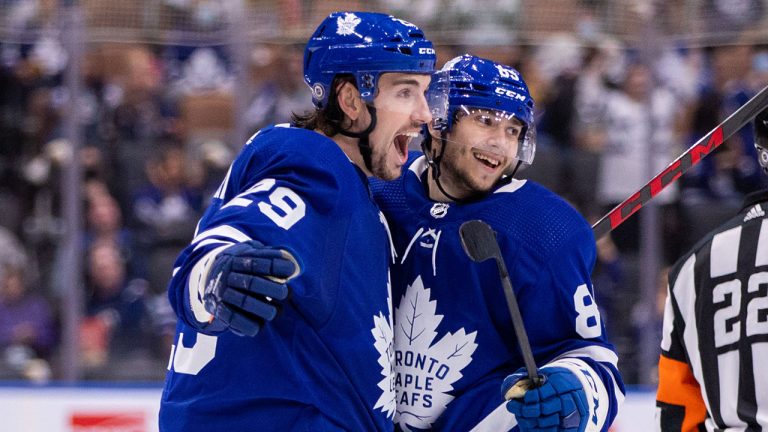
x=280, y=190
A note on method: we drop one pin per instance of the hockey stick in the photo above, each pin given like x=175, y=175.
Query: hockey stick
x=479, y=242
x=689, y=158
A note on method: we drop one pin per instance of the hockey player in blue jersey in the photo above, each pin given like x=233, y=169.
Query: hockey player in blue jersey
x=454, y=339
x=293, y=230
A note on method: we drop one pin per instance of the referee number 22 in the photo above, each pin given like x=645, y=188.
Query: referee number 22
x=728, y=320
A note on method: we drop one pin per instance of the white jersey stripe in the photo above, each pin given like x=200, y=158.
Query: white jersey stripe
x=684, y=291
x=616, y=390
x=669, y=324
x=413, y=240
x=196, y=284
x=725, y=246
x=418, y=166
x=760, y=351
x=762, y=245
x=498, y=420
x=225, y=231
x=211, y=241
x=514, y=185
x=597, y=353
x=729, y=388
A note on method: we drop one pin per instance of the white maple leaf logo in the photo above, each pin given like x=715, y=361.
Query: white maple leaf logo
x=346, y=25
x=383, y=335
x=425, y=371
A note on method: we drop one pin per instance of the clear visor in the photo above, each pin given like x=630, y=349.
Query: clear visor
x=437, y=97
x=499, y=133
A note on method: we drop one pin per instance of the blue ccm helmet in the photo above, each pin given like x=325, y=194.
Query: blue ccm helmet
x=474, y=82
x=364, y=44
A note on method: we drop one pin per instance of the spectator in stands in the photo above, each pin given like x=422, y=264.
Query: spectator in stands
x=165, y=212
x=104, y=223
x=140, y=119
x=715, y=188
x=640, y=122
x=27, y=334
x=117, y=334
x=283, y=92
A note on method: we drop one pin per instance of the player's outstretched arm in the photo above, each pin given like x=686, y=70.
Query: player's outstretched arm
x=223, y=283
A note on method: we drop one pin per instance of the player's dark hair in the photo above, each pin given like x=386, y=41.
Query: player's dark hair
x=330, y=119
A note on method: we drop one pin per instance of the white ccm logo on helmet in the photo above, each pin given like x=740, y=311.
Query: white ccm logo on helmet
x=509, y=93
x=426, y=51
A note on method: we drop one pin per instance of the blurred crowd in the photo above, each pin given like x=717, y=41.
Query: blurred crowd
x=157, y=126
x=609, y=120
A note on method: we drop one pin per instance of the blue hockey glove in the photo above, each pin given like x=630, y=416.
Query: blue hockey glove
x=246, y=283
x=559, y=405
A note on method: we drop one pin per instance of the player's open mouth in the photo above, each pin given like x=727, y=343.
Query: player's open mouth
x=488, y=159
x=401, y=144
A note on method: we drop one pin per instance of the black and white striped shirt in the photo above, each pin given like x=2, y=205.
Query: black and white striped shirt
x=716, y=330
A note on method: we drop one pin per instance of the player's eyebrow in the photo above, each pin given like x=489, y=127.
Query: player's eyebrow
x=406, y=81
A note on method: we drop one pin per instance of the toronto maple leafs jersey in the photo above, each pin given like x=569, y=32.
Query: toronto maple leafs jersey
x=454, y=339
x=324, y=363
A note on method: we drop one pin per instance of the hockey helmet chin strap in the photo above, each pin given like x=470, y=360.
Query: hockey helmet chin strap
x=363, y=144
x=433, y=160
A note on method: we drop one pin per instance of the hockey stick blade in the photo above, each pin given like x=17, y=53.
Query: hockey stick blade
x=479, y=242
x=689, y=158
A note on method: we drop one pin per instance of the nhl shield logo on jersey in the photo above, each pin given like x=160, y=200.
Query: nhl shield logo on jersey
x=425, y=369
x=439, y=210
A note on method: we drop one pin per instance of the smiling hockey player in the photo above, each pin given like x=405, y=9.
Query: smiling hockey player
x=454, y=340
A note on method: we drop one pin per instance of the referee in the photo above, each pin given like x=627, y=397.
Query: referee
x=713, y=370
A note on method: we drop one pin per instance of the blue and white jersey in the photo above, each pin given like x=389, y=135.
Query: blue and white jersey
x=454, y=338
x=325, y=362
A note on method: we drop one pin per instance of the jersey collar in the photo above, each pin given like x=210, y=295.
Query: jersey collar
x=754, y=198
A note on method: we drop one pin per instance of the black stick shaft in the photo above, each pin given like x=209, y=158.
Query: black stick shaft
x=480, y=244
x=517, y=322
